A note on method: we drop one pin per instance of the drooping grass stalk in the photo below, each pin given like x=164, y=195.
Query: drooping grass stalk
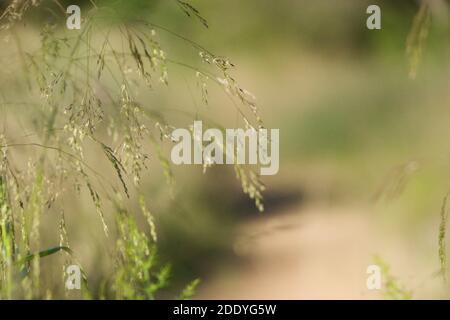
x=442, y=238
x=417, y=38
x=80, y=88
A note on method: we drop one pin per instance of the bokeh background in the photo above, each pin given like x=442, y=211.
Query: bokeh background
x=364, y=152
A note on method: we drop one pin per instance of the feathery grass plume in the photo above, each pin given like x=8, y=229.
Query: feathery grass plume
x=441, y=238
x=120, y=169
x=15, y=11
x=23, y=198
x=137, y=275
x=33, y=213
x=417, y=37
x=7, y=242
x=393, y=289
x=190, y=10
x=165, y=164
x=149, y=217
x=251, y=185
x=189, y=291
x=79, y=86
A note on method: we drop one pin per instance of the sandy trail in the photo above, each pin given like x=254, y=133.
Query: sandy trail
x=310, y=253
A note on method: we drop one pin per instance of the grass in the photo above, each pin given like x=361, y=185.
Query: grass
x=85, y=88
x=393, y=289
x=442, y=246
x=85, y=94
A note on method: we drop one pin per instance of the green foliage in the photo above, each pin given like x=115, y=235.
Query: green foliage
x=189, y=291
x=136, y=276
x=392, y=287
x=85, y=91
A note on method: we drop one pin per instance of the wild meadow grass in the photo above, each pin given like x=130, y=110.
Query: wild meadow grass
x=81, y=89
x=67, y=94
x=442, y=241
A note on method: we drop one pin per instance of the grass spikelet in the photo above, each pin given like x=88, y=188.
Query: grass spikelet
x=98, y=206
x=78, y=83
x=441, y=239
x=150, y=219
x=417, y=37
x=251, y=185
x=120, y=170
x=189, y=291
x=189, y=10
x=136, y=275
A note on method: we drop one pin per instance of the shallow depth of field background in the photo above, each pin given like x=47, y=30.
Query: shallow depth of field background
x=364, y=153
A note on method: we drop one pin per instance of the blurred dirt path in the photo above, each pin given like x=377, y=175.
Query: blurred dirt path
x=305, y=253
